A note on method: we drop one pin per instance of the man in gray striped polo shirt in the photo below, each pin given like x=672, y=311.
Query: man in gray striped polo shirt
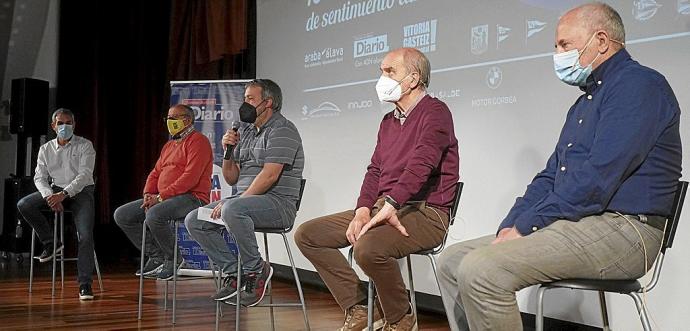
x=266, y=167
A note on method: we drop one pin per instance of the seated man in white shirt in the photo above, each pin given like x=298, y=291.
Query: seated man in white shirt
x=64, y=177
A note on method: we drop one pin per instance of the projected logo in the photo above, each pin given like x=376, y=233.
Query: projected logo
x=324, y=109
x=684, y=7
x=444, y=94
x=494, y=77
x=360, y=104
x=370, y=49
x=420, y=35
x=323, y=57
x=502, y=33
x=533, y=27
x=644, y=9
x=479, y=40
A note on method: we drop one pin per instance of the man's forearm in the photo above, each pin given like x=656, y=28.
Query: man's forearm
x=231, y=172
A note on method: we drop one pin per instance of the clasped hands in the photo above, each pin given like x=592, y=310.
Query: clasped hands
x=55, y=201
x=363, y=221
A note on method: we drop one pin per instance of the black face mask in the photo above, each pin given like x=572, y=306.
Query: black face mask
x=248, y=112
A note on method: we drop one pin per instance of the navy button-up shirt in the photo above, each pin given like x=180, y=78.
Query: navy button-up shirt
x=619, y=150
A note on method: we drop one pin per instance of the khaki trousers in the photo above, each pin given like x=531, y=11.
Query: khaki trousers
x=479, y=279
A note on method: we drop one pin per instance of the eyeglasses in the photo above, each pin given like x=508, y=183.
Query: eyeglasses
x=176, y=117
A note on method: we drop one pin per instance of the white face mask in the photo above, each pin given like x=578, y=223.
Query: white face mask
x=64, y=131
x=388, y=89
x=568, y=68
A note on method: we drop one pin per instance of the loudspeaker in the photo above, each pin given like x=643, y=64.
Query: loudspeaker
x=16, y=233
x=29, y=113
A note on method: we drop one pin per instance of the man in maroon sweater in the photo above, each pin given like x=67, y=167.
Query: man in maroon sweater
x=403, y=203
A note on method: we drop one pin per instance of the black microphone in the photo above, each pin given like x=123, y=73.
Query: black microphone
x=230, y=148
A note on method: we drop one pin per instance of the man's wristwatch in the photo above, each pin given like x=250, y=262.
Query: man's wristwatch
x=392, y=202
x=65, y=193
x=158, y=197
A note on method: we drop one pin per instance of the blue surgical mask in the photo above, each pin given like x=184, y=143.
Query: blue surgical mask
x=568, y=68
x=65, y=131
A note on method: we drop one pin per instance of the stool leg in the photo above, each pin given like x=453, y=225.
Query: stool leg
x=217, y=315
x=141, y=268
x=297, y=281
x=62, y=253
x=174, y=298
x=270, y=291
x=604, y=311
x=218, y=282
x=98, y=271
x=55, y=225
x=165, y=296
x=370, y=306
x=641, y=310
x=31, y=267
x=413, y=297
x=539, y=319
x=239, y=286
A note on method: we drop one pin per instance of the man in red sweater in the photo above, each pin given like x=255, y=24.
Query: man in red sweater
x=403, y=203
x=179, y=183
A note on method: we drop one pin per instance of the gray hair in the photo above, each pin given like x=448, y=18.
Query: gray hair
x=600, y=16
x=269, y=90
x=59, y=111
x=416, y=61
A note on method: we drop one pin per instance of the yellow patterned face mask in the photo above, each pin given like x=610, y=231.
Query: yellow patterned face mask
x=175, y=126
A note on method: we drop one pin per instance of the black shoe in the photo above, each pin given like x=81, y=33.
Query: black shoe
x=152, y=267
x=47, y=253
x=168, y=270
x=256, y=285
x=85, y=292
x=228, y=289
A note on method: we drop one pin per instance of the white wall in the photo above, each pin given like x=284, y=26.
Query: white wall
x=502, y=144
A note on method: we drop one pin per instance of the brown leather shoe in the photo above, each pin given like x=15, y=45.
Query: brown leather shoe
x=356, y=319
x=407, y=323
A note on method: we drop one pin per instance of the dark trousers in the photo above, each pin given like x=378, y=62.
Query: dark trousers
x=82, y=207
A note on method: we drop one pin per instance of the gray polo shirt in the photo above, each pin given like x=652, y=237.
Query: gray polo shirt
x=277, y=141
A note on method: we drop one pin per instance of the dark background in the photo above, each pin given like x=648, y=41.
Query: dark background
x=115, y=62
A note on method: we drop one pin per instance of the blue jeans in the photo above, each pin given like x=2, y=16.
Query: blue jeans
x=241, y=215
x=82, y=207
x=130, y=217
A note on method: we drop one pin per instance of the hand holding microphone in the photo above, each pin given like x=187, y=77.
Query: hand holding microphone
x=230, y=139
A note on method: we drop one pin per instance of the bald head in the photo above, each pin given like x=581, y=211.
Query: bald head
x=416, y=61
x=183, y=110
x=598, y=16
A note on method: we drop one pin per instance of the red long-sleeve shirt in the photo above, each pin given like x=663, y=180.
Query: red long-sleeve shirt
x=184, y=166
x=414, y=161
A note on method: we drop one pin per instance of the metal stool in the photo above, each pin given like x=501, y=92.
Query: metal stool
x=59, y=217
x=631, y=287
x=430, y=253
x=302, y=304
x=174, y=280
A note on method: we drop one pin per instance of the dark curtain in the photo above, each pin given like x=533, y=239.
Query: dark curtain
x=215, y=38
x=116, y=60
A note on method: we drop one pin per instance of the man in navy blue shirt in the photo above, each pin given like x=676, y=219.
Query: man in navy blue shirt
x=601, y=201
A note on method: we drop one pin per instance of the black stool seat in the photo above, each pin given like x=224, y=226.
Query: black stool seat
x=623, y=286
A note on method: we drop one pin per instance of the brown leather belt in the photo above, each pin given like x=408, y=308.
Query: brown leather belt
x=655, y=221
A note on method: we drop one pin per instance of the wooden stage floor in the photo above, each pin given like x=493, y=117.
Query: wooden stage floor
x=116, y=307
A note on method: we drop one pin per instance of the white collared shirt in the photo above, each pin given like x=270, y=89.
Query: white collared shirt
x=69, y=166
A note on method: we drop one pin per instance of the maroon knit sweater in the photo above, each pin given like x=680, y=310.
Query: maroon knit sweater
x=414, y=161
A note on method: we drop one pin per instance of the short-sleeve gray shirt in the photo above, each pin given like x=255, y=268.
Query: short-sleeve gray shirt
x=277, y=141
